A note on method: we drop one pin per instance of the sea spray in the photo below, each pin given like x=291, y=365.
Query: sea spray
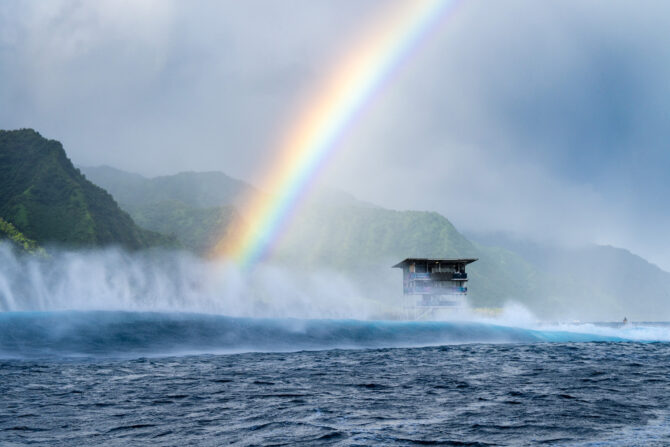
x=173, y=281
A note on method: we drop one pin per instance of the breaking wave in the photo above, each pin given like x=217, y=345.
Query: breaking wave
x=134, y=334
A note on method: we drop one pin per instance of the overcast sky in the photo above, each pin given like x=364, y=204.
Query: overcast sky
x=545, y=119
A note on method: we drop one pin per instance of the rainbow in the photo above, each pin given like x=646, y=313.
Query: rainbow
x=357, y=78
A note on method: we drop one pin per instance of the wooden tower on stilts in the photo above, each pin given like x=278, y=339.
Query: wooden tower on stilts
x=434, y=283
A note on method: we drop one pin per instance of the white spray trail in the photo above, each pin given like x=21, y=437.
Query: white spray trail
x=112, y=279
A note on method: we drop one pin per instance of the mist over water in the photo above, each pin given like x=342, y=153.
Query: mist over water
x=172, y=281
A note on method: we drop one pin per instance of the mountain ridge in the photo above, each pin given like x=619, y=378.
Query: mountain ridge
x=48, y=200
x=197, y=189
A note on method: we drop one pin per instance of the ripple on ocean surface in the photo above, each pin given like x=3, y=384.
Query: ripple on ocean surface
x=554, y=394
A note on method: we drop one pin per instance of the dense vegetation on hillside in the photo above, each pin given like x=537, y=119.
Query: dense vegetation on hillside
x=48, y=200
x=18, y=239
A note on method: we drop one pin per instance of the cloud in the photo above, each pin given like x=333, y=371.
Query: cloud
x=538, y=119
x=547, y=119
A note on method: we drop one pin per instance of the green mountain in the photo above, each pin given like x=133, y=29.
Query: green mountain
x=49, y=201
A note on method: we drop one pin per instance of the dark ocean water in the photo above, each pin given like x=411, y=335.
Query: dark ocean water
x=134, y=379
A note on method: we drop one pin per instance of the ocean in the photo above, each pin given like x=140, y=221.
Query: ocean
x=166, y=379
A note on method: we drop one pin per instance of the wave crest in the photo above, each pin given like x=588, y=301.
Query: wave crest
x=31, y=334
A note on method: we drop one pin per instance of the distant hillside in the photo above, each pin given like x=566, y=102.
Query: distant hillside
x=195, y=189
x=48, y=200
x=195, y=207
x=197, y=229
x=336, y=231
x=601, y=278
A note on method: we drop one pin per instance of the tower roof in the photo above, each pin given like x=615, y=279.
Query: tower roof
x=453, y=261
